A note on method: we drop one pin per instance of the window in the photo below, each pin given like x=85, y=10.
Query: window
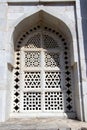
x=42, y=74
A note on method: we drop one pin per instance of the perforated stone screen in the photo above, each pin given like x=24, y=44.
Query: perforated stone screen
x=42, y=74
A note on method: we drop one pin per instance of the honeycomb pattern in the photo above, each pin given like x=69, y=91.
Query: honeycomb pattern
x=52, y=59
x=32, y=80
x=33, y=42
x=31, y=101
x=53, y=79
x=32, y=59
x=53, y=101
x=49, y=42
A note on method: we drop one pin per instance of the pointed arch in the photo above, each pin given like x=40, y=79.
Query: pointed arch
x=51, y=23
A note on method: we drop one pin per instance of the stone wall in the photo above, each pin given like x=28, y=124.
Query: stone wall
x=69, y=12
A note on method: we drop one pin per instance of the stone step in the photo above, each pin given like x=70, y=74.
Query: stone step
x=28, y=128
x=18, y=127
x=43, y=124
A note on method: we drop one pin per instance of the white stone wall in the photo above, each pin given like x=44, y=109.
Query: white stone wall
x=82, y=19
x=3, y=68
x=12, y=13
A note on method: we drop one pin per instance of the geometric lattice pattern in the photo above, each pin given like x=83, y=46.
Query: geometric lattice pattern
x=33, y=42
x=32, y=80
x=53, y=80
x=16, y=96
x=49, y=42
x=53, y=101
x=32, y=101
x=68, y=80
x=32, y=59
x=52, y=59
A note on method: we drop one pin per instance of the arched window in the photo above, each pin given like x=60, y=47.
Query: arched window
x=42, y=74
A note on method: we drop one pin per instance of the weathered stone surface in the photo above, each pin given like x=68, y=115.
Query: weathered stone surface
x=75, y=20
x=43, y=124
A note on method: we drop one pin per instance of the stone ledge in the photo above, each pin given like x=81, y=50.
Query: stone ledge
x=40, y=0
x=13, y=1
x=43, y=124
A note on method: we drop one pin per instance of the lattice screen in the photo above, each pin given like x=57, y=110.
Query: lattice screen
x=53, y=101
x=32, y=101
x=52, y=80
x=32, y=80
x=32, y=59
x=45, y=83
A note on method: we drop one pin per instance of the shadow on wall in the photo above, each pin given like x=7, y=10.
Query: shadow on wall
x=83, y=4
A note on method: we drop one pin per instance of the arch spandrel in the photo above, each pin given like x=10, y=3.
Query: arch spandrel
x=48, y=18
x=28, y=20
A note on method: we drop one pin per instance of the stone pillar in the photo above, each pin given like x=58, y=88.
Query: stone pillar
x=83, y=5
x=82, y=40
